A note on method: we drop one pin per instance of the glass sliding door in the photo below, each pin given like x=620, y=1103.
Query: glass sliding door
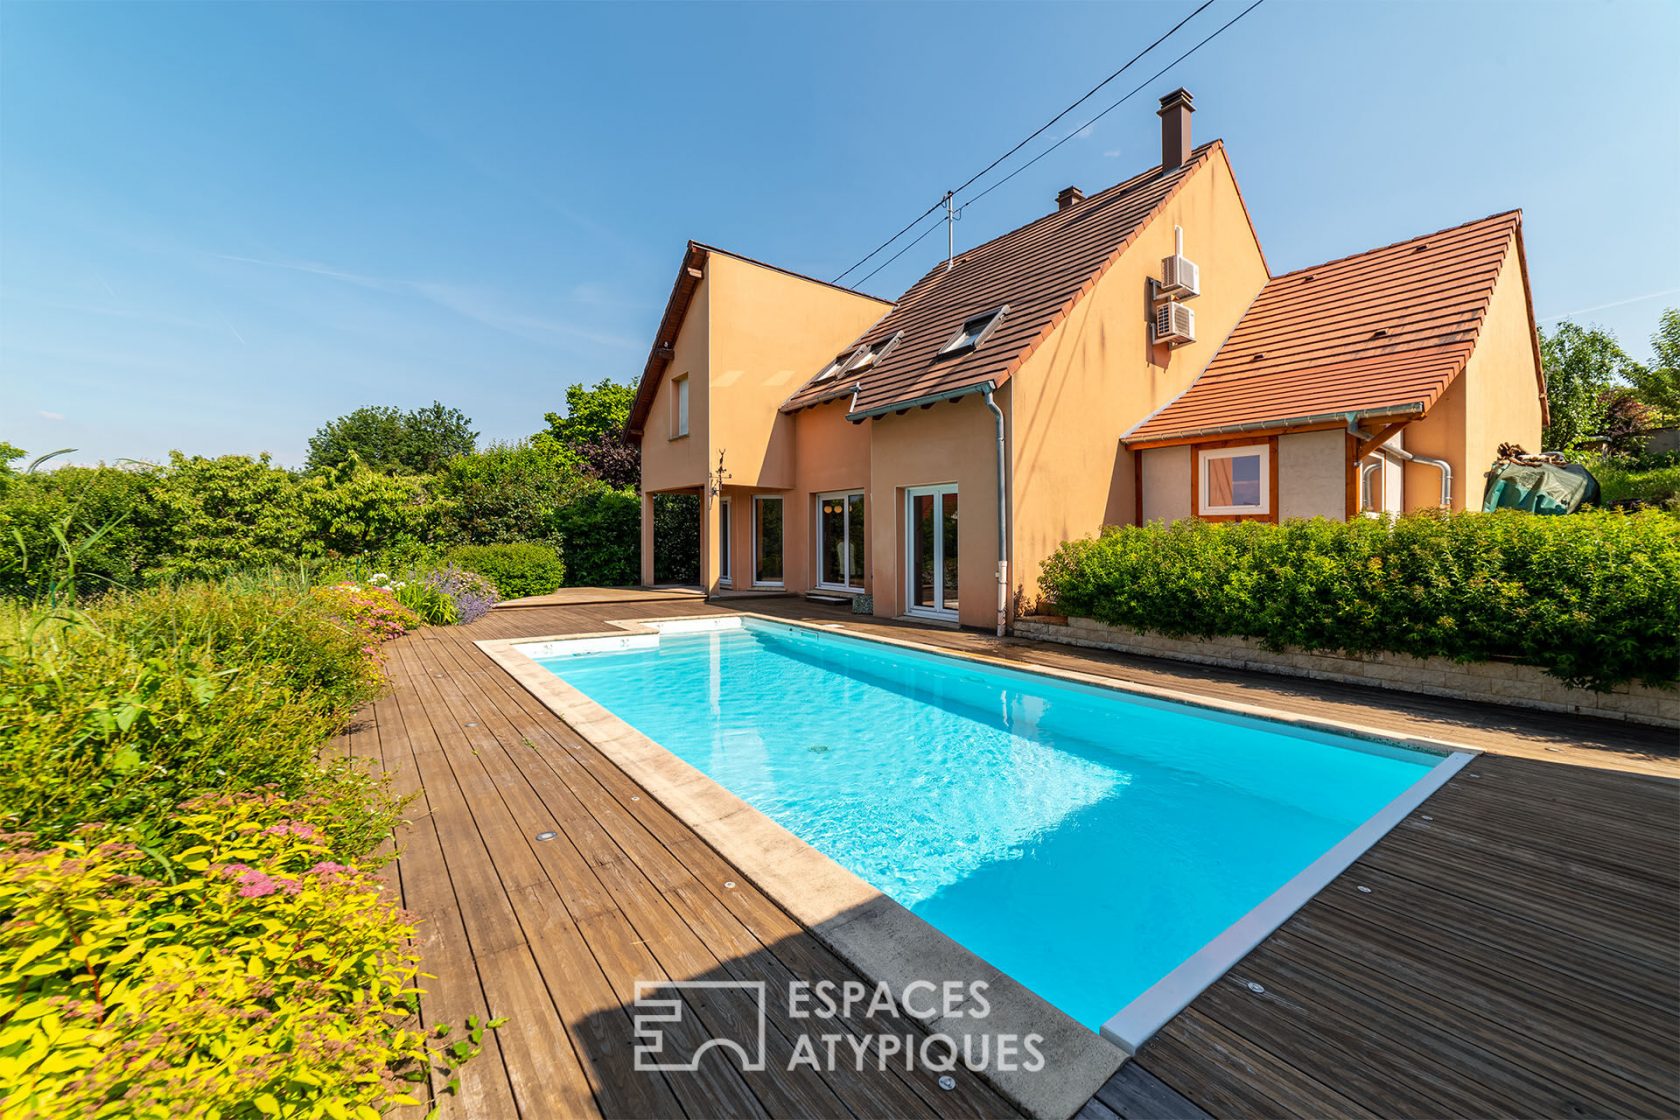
x=726, y=570
x=767, y=540
x=840, y=541
x=930, y=541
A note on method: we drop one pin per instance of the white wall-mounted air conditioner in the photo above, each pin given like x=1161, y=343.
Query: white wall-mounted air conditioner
x=1175, y=324
x=1180, y=278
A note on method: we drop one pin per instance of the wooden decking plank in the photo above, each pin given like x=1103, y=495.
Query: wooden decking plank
x=1227, y=1074
x=1136, y=1094
x=1455, y=874
x=612, y=802
x=453, y=991
x=632, y=818
x=1558, y=1043
x=797, y=1092
x=712, y=1090
x=1331, y=1047
x=1416, y=1039
x=543, y=1071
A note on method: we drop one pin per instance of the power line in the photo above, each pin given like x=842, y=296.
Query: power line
x=1035, y=135
x=918, y=240
x=1088, y=95
x=1142, y=86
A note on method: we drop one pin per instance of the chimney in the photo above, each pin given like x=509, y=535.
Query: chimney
x=1175, y=111
x=1069, y=196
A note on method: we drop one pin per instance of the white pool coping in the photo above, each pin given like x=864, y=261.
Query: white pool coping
x=883, y=939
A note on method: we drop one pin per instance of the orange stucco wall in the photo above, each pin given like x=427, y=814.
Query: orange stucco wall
x=770, y=332
x=1098, y=375
x=1495, y=400
x=667, y=463
x=950, y=442
x=752, y=335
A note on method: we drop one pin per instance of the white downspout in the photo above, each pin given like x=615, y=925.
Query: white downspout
x=1002, y=518
x=1439, y=464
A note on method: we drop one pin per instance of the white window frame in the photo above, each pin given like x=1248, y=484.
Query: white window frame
x=726, y=551
x=1205, y=454
x=679, y=406
x=845, y=497
x=939, y=609
x=759, y=581
x=962, y=342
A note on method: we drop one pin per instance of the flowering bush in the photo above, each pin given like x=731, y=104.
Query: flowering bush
x=442, y=596
x=373, y=610
x=250, y=975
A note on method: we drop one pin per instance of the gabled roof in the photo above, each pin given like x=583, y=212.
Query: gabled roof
x=1383, y=332
x=1039, y=271
x=676, y=310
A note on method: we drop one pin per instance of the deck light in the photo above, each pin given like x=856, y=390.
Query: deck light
x=547, y=835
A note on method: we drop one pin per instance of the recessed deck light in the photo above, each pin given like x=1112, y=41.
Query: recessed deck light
x=547, y=835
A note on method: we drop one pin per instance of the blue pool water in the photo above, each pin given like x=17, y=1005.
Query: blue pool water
x=1083, y=841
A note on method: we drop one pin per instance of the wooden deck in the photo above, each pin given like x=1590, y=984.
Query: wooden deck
x=1516, y=951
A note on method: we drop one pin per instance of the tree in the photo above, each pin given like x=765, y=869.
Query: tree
x=592, y=413
x=592, y=431
x=1658, y=385
x=1582, y=366
x=387, y=439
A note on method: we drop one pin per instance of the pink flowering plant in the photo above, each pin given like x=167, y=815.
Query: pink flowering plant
x=251, y=974
x=373, y=611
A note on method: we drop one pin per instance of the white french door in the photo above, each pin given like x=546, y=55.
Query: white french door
x=930, y=551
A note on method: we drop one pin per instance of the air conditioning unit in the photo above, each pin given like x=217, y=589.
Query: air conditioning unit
x=1175, y=324
x=1179, y=275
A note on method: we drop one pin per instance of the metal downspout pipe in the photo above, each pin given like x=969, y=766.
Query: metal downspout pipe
x=1002, y=517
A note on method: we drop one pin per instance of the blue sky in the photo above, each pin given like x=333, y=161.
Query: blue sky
x=221, y=225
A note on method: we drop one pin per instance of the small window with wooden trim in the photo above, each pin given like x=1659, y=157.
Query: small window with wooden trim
x=1234, y=481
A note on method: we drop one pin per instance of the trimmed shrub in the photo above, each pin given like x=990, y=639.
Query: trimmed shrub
x=1593, y=598
x=601, y=533
x=517, y=570
x=251, y=975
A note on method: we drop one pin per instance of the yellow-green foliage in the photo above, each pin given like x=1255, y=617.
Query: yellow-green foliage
x=118, y=714
x=249, y=975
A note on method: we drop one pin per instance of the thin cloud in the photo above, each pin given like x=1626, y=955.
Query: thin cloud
x=1608, y=306
x=478, y=305
x=53, y=416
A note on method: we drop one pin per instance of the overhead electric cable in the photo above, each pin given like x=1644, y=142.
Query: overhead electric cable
x=1142, y=86
x=1029, y=139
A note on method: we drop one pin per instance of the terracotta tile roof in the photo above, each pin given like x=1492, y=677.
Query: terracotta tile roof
x=1385, y=330
x=1039, y=271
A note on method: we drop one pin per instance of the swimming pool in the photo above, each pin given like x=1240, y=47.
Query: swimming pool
x=1085, y=841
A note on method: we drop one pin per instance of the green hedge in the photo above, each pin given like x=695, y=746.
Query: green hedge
x=517, y=570
x=1593, y=598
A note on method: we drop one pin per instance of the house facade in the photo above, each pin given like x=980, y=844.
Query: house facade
x=1128, y=357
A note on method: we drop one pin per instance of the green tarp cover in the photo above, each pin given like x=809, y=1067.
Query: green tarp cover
x=1539, y=488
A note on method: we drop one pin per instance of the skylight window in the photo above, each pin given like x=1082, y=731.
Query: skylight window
x=972, y=333
x=840, y=362
x=859, y=358
x=871, y=356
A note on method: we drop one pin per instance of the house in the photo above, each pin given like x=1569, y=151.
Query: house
x=1128, y=357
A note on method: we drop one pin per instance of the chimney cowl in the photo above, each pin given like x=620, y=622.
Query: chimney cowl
x=1175, y=111
x=1069, y=196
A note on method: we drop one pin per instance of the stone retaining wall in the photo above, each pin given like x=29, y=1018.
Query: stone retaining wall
x=1501, y=682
